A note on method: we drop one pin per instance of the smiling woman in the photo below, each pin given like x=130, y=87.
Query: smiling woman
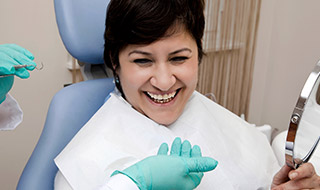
x=154, y=49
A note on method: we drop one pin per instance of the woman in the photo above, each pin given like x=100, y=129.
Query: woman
x=154, y=49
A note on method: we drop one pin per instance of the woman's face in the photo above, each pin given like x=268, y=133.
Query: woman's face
x=159, y=78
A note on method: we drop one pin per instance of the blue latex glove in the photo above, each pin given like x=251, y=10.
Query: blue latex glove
x=181, y=170
x=10, y=55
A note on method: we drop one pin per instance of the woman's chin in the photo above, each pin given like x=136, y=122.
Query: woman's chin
x=166, y=121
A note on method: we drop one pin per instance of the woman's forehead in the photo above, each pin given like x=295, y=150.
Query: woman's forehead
x=178, y=40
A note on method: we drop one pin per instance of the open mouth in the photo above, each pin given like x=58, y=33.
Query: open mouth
x=162, y=98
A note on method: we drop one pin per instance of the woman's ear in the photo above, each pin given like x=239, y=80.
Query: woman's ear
x=114, y=66
x=115, y=69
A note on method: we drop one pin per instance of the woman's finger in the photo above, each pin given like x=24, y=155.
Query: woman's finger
x=306, y=170
x=186, y=149
x=281, y=177
x=176, y=147
x=305, y=183
x=163, y=150
x=196, y=151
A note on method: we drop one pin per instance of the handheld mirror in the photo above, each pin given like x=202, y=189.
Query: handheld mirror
x=304, y=128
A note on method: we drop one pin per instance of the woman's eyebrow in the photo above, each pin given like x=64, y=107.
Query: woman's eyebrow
x=139, y=52
x=147, y=53
x=180, y=50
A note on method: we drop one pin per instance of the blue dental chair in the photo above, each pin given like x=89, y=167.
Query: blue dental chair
x=81, y=25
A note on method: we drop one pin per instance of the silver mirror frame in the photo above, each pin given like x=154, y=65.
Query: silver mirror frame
x=295, y=120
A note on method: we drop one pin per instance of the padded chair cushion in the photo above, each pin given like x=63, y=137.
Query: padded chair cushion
x=69, y=110
x=81, y=25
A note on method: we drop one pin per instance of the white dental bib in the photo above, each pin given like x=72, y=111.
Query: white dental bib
x=117, y=136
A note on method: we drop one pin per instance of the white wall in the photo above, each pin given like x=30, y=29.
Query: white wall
x=288, y=47
x=32, y=25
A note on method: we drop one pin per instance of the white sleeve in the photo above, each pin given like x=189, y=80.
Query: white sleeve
x=10, y=114
x=119, y=182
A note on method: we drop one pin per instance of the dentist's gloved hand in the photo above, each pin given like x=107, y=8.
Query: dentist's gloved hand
x=181, y=170
x=5, y=85
x=10, y=55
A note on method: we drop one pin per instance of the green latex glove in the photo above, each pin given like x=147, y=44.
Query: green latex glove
x=10, y=55
x=5, y=85
x=181, y=170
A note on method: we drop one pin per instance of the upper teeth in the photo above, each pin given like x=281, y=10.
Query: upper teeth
x=163, y=97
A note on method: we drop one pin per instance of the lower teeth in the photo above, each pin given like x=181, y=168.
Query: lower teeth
x=162, y=101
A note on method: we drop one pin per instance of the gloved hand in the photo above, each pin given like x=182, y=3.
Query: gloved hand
x=181, y=170
x=5, y=85
x=10, y=55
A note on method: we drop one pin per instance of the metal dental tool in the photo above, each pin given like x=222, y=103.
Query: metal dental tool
x=22, y=66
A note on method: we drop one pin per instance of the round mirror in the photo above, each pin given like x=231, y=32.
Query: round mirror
x=304, y=129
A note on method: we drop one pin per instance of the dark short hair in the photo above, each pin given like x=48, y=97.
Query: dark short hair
x=146, y=21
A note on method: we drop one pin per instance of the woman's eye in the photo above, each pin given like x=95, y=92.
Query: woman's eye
x=142, y=61
x=179, y=59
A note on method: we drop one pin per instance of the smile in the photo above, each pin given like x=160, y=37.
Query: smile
x=162, y=98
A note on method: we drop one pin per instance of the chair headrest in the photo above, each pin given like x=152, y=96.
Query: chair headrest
x=81, y=25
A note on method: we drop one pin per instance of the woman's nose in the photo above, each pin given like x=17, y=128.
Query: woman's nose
x=163, y=78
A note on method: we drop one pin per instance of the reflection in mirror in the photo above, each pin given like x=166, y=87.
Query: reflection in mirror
x=304, y=130
x=318, y=96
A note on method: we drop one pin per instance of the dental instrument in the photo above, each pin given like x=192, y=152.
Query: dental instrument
x=22, y=66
